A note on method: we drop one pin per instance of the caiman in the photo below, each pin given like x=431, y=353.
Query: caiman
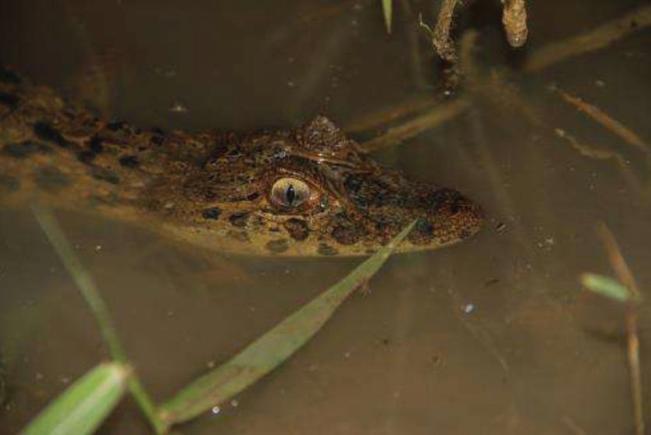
x=311, y=191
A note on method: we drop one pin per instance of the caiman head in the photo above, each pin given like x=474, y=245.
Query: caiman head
x=305, y=192
x=312, y=191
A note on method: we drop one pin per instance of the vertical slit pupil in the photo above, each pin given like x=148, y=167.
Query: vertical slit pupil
x=291, y=194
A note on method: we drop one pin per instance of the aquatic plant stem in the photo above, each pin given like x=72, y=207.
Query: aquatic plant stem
x=86, y=285
x=514, y=19
x=624, y=274
x=441, y=39
x=387, y=10
x=595, y=39
x=603, y=118
x=633, y=354
x=546, y=56
x=417, y=124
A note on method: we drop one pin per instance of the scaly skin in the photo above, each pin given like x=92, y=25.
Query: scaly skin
x=304, y=192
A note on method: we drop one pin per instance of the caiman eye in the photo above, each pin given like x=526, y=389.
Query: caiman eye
x=289, y=192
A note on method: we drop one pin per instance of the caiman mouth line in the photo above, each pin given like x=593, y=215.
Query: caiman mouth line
x=303, y=192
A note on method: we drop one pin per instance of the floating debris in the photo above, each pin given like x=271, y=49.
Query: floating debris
x=178, y=108
x=167, y=72
x=468, y=308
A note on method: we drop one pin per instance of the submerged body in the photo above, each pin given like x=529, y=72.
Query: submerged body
x=304, y=192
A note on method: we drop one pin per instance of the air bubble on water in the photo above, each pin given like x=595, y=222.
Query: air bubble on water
x=178, y=107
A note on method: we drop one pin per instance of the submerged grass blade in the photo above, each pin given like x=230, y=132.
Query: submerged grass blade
x=387, y=9
x=273, y=348
x=85, y=404
x=82, y=278
x=88, y=288
x=3, y=385
x=606, y=286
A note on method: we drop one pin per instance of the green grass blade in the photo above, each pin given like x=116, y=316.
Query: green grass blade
x=90, y=292
x=273, y=348
x=606, y=286
x=82, y=278
x=85, y=404
x=387, y=9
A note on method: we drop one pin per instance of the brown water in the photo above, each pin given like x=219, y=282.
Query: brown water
x=492, y=336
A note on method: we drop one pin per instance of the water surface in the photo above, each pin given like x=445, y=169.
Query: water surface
x=491, y=336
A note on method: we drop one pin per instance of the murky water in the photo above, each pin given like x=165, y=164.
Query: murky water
x=492, y=336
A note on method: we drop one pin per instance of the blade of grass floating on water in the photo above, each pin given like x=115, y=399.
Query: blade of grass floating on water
x=387, y=9
x=82, y=407
x=273, y=348
x=606, y=286
x=88, y=288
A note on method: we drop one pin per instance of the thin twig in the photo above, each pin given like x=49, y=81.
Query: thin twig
x=86, y=285
x=418, y=124
x=595, y=39
x=617, y=261
x=625, y=276
x=616, y=127
x=593, y=152
x=383, y=116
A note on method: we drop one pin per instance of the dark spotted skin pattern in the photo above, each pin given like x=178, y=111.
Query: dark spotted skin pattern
x=214, y=189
